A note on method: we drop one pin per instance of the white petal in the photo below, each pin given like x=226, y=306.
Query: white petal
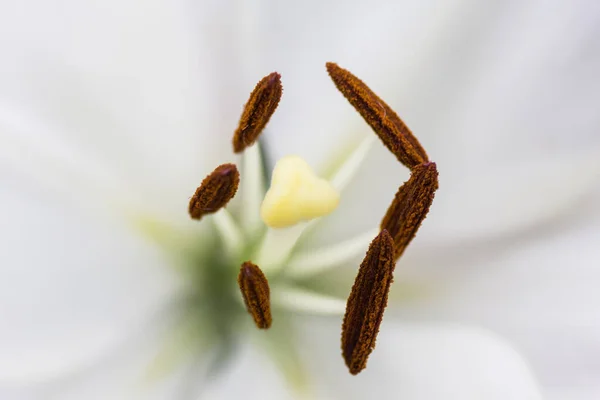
x=119, y=374
x=300, y=50
x=576, y=392
x=251, y=373
x=496, y=94
x=504, y=103
x=350, y=165
x=425, y=362
x=539, y=289
x=73, y=285
x=34, y=155
x=495, y=106
x=480, y=202
x=146, y=87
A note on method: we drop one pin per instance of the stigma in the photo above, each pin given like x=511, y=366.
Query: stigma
x=296, y=194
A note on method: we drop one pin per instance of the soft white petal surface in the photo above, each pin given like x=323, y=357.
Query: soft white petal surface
x=425, y=362
x=33, y=153
x=575, y=393
x=131, y=84
x=509, y=85
x=118, y=375
x=484, y=86
x=538, y=288
x=72, y=286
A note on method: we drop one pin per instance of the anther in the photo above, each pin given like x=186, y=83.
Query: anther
x=255, y=291
x=367, y=302
x=258, y=110
x=383, y=120
x=215, y=191
x=411, y=205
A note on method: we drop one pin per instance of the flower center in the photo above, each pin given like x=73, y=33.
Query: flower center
x=296, y=197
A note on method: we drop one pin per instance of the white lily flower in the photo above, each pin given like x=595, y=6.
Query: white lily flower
x=111, y=113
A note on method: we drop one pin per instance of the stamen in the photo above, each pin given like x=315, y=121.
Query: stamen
x=255, y=291
x=306, y=301
x=252, y=190
x=258, y=110
x=230, y=233
x=310, y=262
x=277, y=245
x=215, y=191
x=411, y=205
x=367, y=302
x=383, y=120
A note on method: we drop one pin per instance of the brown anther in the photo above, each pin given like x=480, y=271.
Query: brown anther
x=383, y=120
x=215, y=191
x=258, y=110
x=367, y=301
x=255, y=291
x=411, y=205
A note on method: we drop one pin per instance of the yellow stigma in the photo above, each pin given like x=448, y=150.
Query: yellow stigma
x=296, y=194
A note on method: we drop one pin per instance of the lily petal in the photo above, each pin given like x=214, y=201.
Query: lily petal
x=134, y=98
x=540, y=292
x=118, y=375
x=32, y=153
x=71, y=287
x=495, y=106
x=499, y=200
x=328, y=122
x=423, y=362
x=253, y=372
